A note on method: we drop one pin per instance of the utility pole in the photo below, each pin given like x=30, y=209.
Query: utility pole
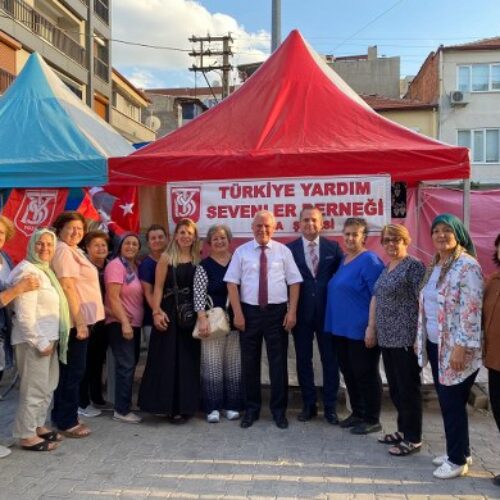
x=206, y=51
x=276, y=25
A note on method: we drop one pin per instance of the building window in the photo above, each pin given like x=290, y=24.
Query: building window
x=484, y=144
x=478, y=77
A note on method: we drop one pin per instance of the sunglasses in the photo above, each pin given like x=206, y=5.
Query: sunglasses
x=391, y=239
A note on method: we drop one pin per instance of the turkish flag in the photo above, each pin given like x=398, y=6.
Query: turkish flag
x=30, y=209
x=87, y=208
x=125, y=211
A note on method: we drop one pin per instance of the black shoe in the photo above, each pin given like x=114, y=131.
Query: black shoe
x=248, y=421
x=281, y=422
x=496, y=480
x=331, y=416
x=307, y=413
x=366, y=428
x=350, y=421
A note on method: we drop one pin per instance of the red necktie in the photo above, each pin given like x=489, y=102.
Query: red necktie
x=314, y=258
x=263, y=277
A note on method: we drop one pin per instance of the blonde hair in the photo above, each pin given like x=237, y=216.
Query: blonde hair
x=397, y=230
x=9, y=227
x=173, y=252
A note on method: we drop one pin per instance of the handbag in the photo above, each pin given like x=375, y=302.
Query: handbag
x=218, y=320
x=186, y=317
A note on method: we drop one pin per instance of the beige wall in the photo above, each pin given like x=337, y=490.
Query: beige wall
x=422, y=121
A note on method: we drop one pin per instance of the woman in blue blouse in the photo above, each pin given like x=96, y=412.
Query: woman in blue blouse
x=347, y=312
x=220, y=357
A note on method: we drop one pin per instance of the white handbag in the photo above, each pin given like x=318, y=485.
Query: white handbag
x=218, y=320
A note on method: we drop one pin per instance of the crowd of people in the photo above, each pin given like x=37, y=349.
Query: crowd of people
x=70, y=301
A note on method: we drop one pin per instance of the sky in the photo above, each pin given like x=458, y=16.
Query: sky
x=151, y=44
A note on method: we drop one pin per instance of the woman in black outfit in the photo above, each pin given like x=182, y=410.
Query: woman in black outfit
x=171, y=382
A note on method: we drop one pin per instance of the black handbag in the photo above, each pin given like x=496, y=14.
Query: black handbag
x=186, y=317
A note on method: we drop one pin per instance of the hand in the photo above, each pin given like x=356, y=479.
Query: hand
x=127, y=331
x=289, y=321
x=28, y=284
x=82, y=332
x=239, y=321
x=457, y=359
x=161, y=321
x=47, y=351
x=370, y=337
x=203, y=326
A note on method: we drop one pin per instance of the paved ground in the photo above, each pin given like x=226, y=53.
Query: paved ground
x=198, y=460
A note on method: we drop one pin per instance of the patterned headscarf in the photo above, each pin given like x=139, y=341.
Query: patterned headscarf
x=64, y=317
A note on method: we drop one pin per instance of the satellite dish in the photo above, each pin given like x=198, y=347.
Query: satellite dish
x=153, y=122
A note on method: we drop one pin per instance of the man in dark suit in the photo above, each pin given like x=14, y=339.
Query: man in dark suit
x=317, y=259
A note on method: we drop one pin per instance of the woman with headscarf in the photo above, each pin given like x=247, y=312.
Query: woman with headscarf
x=124, y=313
x=41, y=322
x=449, y=334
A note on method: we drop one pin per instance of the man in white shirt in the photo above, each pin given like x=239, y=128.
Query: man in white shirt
x=264, y=283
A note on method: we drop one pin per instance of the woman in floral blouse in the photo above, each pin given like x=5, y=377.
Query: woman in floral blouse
x=449, y=334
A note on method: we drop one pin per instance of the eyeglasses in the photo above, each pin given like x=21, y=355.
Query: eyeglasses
x=391, y=239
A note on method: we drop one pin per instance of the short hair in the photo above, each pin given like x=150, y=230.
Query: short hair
x=264, y=213
x=67, y=216
x=496, y=260
x=9, y=227
x=155, y=227
x=219, y=227
x=94, y=235
x=397, y=230
x=316, y=209
x=359, y=222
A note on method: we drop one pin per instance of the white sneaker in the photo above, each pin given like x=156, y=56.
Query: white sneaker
x=129, y=418
x=441, y=459
x=89, y=412
x=4, y=451
x=213, y=417
x=232, y=415
x=450, y=470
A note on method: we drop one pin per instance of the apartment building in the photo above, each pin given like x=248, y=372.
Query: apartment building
x=464, y=81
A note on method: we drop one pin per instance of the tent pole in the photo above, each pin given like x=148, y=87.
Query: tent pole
x=466, y=204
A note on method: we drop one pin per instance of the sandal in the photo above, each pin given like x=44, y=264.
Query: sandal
x=41, y=446
x=395, y=438
x=404, y=448
x=77, y=432
x=51, y=436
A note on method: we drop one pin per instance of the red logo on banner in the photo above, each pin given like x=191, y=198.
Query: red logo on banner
x=30, y=209
x=36, y=209
x=186, y=202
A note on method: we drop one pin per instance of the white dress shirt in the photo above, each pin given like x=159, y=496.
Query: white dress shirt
x=307, y=251
x=281, y=271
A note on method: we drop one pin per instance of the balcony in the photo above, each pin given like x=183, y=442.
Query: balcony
x=101, y=69
x=6, y=79
x=101, y=8
x=131, y=129
x=37, y=23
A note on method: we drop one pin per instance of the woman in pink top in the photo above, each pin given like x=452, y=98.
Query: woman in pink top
x=125, y=311
x=80, y=281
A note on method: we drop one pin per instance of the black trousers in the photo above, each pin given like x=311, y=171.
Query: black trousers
x=360, y=368
x=453, y=402
x=67, y=394
x=403, y=376
x=91, y=385
x=264, y=324
x=494, y=386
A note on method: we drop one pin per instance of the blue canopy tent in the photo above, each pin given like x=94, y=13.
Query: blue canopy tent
x=49, y=137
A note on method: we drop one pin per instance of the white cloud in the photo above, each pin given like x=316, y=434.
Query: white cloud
x=170, y=23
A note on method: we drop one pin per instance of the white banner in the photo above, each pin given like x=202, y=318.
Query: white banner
x=235, y=202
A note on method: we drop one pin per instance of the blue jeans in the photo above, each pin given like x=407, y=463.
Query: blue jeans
x=453, y=402
x=124, y=354
x=67, y=395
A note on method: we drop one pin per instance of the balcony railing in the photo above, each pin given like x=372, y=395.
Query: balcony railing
x=6, y=79
x=101, y=8
x=22, y=12
x=101, y=69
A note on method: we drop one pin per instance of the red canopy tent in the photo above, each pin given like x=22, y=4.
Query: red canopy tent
x=294, y=117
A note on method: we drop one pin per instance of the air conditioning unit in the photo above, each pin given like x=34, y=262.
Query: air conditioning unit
x=458, y=98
